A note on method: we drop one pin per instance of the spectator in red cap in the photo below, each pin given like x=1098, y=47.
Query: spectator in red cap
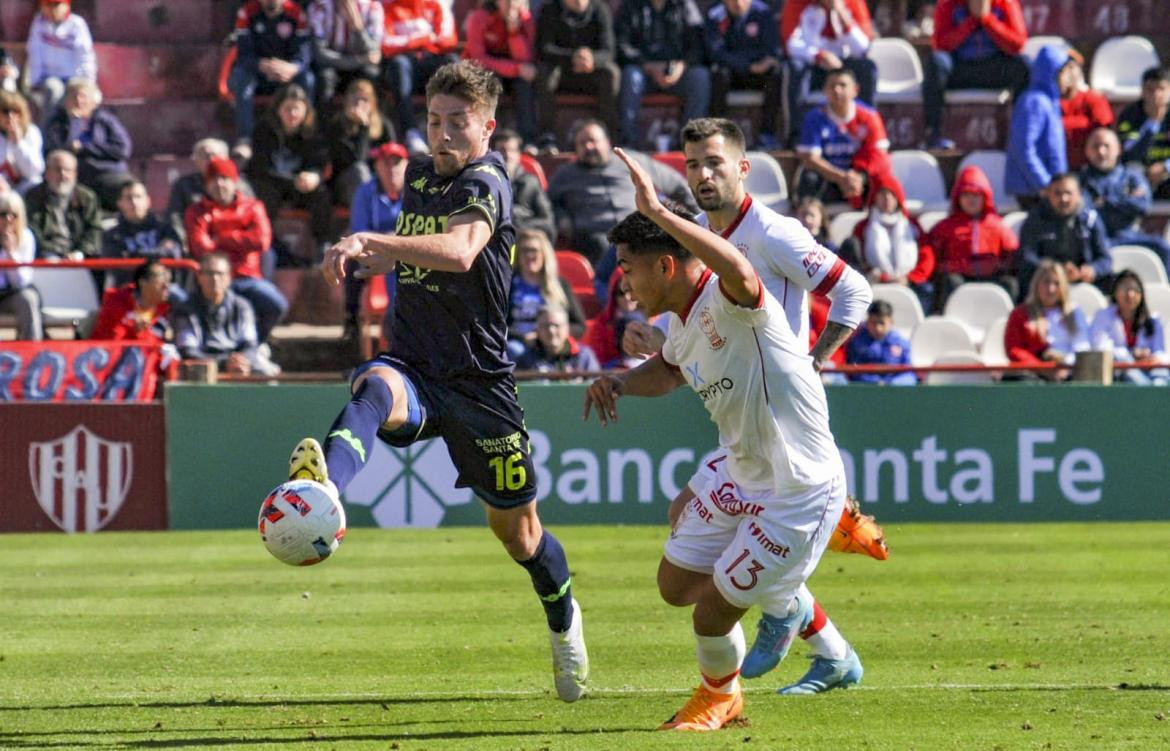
x=224, y=221
x=375, y=208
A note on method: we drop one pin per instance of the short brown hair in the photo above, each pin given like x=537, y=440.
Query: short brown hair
x=469, y=81
x=702, y=128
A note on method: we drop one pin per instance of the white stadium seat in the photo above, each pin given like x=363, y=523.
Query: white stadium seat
x=993, y=350
x=1033, y=46
x=977, y=305
x=1118, y=65
x=899, y=70
x=1088, y=298
x=1158, y=300
x=1142, y=261
x=959, y=358
x=994, y=165
x=766, y=182
x=936, y=336
x=67, y=295
x=907, y=310
x=921, y=179
x=1013, y=220
x=927, y=219
x=841, y=226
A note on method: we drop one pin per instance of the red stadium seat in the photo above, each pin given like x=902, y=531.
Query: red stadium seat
x=375, y=301
x=225, y=70
x=675, y=159
x=532, y=167
x=575, y=268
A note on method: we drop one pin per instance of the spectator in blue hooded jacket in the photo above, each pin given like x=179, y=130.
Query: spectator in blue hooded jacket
x=877, y=343
x=1061, y=228
x=96, y=136
x=1036, y=147
x=1119, y=193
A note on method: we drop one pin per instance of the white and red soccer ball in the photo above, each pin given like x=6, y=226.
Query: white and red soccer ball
x=302, y=522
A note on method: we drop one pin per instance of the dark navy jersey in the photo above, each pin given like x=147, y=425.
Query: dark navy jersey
x=454, y=324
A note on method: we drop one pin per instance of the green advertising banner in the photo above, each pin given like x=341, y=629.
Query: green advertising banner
x=958, y=453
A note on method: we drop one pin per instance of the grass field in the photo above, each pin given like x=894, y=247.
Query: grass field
x=973, y=637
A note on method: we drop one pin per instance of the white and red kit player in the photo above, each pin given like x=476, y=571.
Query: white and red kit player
x=763, y=515
x=790, y=263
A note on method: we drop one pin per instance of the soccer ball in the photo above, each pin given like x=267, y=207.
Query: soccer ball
x=302, y=522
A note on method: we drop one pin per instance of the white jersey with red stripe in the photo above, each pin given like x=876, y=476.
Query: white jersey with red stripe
x=757, y=382
x=787, y=257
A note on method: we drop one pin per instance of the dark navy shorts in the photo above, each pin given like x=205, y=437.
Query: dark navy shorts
x=481, y=422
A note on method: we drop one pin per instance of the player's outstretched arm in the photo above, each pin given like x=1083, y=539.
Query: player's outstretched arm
x=735, y=272
x=652, y=378
x=453, y=250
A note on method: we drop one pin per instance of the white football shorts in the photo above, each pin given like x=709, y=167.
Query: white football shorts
x=751, y=542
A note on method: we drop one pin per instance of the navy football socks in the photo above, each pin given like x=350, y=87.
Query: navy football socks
x=550, y=578
x=351, y=437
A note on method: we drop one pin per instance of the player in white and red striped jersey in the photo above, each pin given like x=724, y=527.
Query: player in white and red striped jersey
x=791, y=263
x=759, y=523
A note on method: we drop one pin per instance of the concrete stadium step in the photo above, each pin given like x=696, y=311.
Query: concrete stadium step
x=172, y=126
x=158, y=71
x=155, y=21
x=303, y=348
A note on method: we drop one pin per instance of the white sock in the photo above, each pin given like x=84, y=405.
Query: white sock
x=720, y=658
x=828, y=642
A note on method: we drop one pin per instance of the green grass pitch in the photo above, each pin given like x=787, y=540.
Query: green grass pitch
x=973, y=637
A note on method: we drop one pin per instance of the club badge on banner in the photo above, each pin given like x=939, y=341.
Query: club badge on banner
x=72, y=371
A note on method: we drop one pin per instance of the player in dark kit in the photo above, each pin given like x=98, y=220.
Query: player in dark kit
x=447, y=373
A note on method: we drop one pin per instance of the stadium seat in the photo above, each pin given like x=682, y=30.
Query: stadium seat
x=921, y=178
x=1118, y=65
x=529, y=164
x=928, y=219
x=841, y=226
x=978, y=96
x=1088, y=298
x=1142, y=261
x=993, y=350
x=578, y=272
x=1013, y=220
x=907, y=309
x=994, y=165
x=977, y=305
x=575, y=268
x=899, y=70
x=1158, y=300
x=766, y=181
x=965, y=377
x=375, y=300
x=1033, y=46
x=674, y=159
x=68, y=296
x=937, y=336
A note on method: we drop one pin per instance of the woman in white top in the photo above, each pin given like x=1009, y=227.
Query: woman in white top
x=17, y=243
x=1132, y=332
x=22, y=159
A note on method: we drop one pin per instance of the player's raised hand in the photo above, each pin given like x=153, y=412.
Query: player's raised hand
x=373, y=264
x=640, y=339
x=603, y=393
x=348, y=247
x=645, y=196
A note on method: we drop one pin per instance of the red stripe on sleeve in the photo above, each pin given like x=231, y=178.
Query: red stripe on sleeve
x=831, y=278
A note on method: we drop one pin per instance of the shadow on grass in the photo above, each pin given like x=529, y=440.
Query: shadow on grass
x=221, y=741
x=215, y=701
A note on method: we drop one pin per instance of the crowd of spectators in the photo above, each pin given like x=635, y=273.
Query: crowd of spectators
x=325, y=119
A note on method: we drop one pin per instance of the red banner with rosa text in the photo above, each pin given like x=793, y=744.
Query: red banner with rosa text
x=82, y=467
x=70, y=371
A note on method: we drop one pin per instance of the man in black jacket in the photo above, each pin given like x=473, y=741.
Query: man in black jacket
x=575, y=50
x=661, y=48
x=531, y=208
